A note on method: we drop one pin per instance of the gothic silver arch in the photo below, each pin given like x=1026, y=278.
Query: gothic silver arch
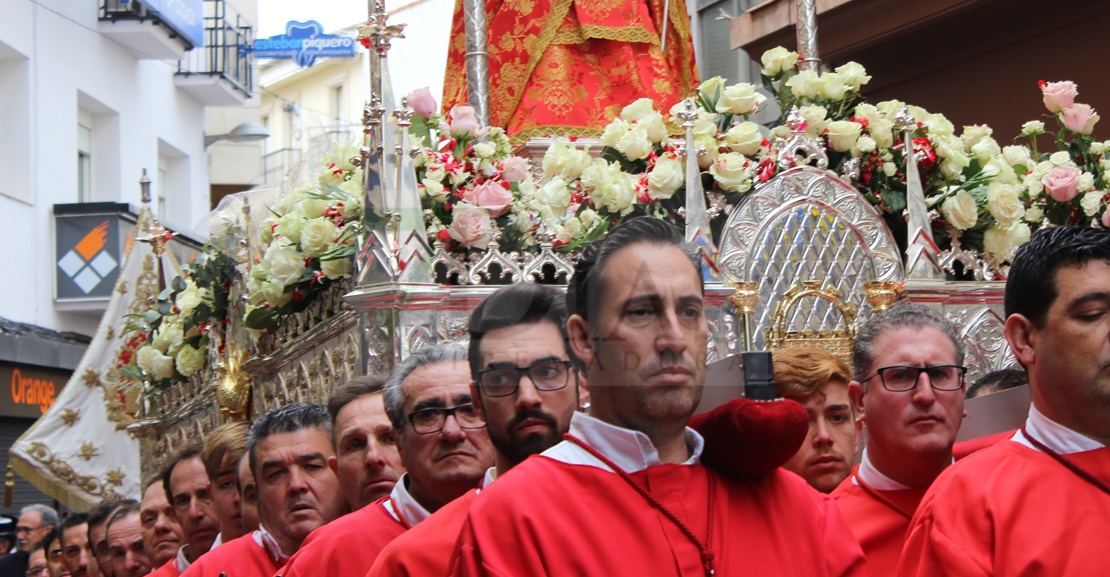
x=806, y=225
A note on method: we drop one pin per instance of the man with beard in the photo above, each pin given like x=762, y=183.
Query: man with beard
x=161, y=532
x=626, y=493
x=819, y=381
x=909, y=391
x=125, y=543
x=1037, y=504
x=366, y=458
x=34, y=522
x=77, y=553
x=190, y=494
x=297, y=492
x=445, y=450
x=98, y=531
x=527, y=386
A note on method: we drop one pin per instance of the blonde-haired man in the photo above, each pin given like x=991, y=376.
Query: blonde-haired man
x=819, y=382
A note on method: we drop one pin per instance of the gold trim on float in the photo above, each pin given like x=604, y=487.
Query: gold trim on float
x=837, y=342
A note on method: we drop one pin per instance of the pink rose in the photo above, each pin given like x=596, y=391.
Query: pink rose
x=1058, y=95
x=464, y=121
x=1106, y=218
x=1079, y=118
x=1062, y=183
x=422, y=101
x=470, y=227
x=491, y=196
x=515, y=169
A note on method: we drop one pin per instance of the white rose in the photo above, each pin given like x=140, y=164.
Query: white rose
x=973, y=134
x=614, y=131
x=637, y=110
x=612, y=189
x=711, y=147
x=188, y=299
x=1034, y=214
x=289, y=226
x=635, y=143
x=312, y=207
x=1017, y=155
x=740, y=98
x=316, y=235
x=882, y=130
x=654, y=126
x=1086, y=182
x=1033, y=186
x=936, y=124
x=564, y=159
x=336, y=268
x=144, y=357
x=1032, y=128
x=484, y=150
x=1004, y=204
x=190, y=360
x=814, y=117
x=960, y=210
x=744, y=138
x=286, y=263
x=832, y=86
x=889, y=168
x=731, y=171
x=169, y=337
x=1091, y=203
x=665, y=178
x=1060, y=158
x=778, y=60
x=868, y=112
x=865, y=144
x=1000, y=242
x=1041, y=169
x=709, y=88
x=853, y=74
x=843, y=134
x=589, y=218
x=889, y=108
x=985, y=150
x=434, y=190
x=273, y=293
x=162, y=366
x=705, y=124
x=554, y=194
x=805, y=84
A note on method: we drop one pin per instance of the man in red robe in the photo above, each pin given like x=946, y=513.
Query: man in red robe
x=445, y=450
x=297, y=492
x=526, y=385
x=161, y=532
x=1038, y=504
x=819, y=381
x=625, y=493
x=909, y=392
x=366, y=458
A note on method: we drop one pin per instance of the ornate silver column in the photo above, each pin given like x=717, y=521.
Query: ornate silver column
x=477, y=59
x=922, y=253
x=806, y=28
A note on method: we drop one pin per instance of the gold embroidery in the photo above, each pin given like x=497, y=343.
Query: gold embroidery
x=115, y=477
x=70, y=416
x=121, y=288
x=110, y=333
x=91, y=378
x=88, y=451
x=64, y=472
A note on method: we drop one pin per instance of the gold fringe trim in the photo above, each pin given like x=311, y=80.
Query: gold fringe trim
x=556, y=131
x=621, y=34
x=49, y=485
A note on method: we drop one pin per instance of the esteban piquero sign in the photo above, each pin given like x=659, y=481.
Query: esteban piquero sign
x=304, y=42
x=27, y=390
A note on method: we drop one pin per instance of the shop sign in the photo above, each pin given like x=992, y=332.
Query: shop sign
x=29, y=391
x=304, y=42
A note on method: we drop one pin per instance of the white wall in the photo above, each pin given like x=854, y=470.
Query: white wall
x=60, y=63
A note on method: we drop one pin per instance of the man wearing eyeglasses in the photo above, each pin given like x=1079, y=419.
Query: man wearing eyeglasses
x=36, y=563
x=34, y=522
x=1037, y=504
x=444, y=448
x=527, y=388
x=909, y=392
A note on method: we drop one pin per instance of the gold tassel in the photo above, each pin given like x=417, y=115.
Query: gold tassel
x=9, y=486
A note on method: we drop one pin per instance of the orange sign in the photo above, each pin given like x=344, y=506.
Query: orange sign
x=30, y=391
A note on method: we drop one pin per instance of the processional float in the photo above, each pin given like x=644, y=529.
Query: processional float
x=803, y=259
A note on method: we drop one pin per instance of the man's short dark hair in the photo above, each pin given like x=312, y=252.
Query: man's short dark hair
x=71, y=520
x=286, y=419
x=1031, y=284
x=391, y=392
x=191, y=451
x=999, y=380
x=587, y=286
x=519, y=304
x=99, y=514
x=355, y=388
x=900, y=316
x=131, y=508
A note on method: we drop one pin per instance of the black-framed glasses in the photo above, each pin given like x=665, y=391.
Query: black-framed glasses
x=428, y=421
x=548, y=375
x=903, y=378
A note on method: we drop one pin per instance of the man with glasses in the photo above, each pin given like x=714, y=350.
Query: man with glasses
x=189, y=491
x=444, y=447
x=288, y=448
x=1037, y=504
x=527, y=388
x=909, y=392
x=34, y=522
x=77, y=553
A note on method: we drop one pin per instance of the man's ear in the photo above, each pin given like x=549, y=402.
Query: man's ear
x=333, y=464
x=855, y=396
x=1022, y=336
x=581, y=343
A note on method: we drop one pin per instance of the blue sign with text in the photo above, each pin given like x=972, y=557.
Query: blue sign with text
x=186, y=17
x=304, y=42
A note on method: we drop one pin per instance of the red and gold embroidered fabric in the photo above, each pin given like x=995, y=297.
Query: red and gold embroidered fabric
x=562, y=67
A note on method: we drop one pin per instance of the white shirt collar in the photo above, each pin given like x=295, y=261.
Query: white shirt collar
x=267, y=542
x=401, y=500
x=219, y=541
x=875, y=477
x=628, y=449
x=1054, y=435
x=491, y=476
x=182, y=561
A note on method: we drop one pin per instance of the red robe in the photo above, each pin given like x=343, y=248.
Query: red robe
x=547, y=517
x=242, y=557
x=346, y=547
x=426, y=549
x=881, y=529
x=167, y=570
x=1012, y=510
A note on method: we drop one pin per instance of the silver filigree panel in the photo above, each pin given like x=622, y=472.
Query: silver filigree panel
x=805, y=225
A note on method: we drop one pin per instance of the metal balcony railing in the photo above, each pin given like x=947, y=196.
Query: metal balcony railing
x=280, y=163
x=138, y=11
x=227, y=40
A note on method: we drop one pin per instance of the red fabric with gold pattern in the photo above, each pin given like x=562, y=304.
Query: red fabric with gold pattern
x=560, y=67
